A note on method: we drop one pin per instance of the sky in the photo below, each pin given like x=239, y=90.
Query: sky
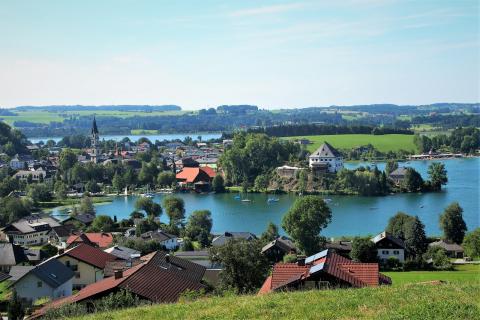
x=274, y=54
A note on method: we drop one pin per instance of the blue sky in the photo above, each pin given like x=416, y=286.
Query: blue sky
x=269, y=53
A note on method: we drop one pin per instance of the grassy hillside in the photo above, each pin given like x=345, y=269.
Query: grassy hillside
x=412, y=301
x=462, y=273
x=384, y=143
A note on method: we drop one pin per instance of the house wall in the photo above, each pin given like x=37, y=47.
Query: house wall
x=85, y=274
x=385, y=253
x=171, y=244
x=28, y=288
x=335, y=164
x=29, y=239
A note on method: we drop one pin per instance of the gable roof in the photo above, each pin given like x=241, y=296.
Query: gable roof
x=222, y=239
x=90, y=255
x=326, y=150
x=162, y=278
x=388, y=237
x=447, y=245
x=210, y=171
x=158, y=235
x=4, y=276
x=190, y=175
x=16, y=272
x=324, y=263
x=52, y=272
x=282, y=243
x=399, y=172
x=100, y=239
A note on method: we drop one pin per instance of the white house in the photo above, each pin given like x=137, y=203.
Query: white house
x=37, y=174
x=49, y=279
x=31, y=230
x=169, y=241
x=328, y=157
x=389, y=246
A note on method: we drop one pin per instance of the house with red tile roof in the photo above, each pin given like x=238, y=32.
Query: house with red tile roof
x=323, y=270
x=87, y=262
x=198, y=179
x=102, y=240
x=160, y=279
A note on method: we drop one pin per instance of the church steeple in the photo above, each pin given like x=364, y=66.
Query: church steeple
x=95, y=142
x=94, y=127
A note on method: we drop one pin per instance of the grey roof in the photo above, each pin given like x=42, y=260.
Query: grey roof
x=187, y=254
x=34, y=223
x=326, y=150
x=222, y=239
x=283, y=243
x=401, y=171
x=33, y=255
x=17, y=272
x=85, y=218
x=11, y=254
x=158, y=235
x=389, y=237
x=448, y=246
x=122, y=252
x=52, y=272
x=4, y=276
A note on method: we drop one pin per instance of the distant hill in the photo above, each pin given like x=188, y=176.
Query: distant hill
x=63, y=108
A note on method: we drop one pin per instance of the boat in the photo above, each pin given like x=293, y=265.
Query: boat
x=246, y=200
x=126, y=191
x=148, y=195
x=270, y=200
x=237, y=197
x=327, y=200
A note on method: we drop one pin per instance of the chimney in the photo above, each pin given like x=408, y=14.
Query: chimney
x=61, y=251
x=118, y=274
x=167, y=258
x=301, y=261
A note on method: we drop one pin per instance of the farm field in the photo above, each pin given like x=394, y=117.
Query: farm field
x=418, y=301
x=47, y=117
x=469, y=273
x=384, y=143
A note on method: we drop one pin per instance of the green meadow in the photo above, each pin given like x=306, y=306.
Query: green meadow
x=416, y=301
x=383, y=143
x=469, y=273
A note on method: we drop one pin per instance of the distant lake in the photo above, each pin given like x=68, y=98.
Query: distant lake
x=352, y=215
x=151, y=137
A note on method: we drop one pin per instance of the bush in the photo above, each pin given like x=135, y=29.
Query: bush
x=438, y=257
x=290, y=258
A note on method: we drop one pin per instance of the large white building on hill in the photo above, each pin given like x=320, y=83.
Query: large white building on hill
x=326, y=158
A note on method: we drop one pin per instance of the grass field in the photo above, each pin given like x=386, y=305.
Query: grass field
x=420, y=301
x=4, y=290
x=384, y=143
x=47, y=117
x=141, y=131
x=463, y=273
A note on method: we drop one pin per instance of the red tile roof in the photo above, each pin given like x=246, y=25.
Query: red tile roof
x=191, y=175
x=100, y=239
x=210, y=171
x=355, y=273
x=91, y=255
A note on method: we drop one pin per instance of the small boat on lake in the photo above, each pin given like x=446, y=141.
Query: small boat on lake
x=237, y=197
x=270, y=200
x=246, y=200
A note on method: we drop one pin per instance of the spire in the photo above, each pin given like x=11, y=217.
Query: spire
x=94, y=126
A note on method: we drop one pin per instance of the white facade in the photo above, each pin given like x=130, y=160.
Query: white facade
x=30, y=239
x=170, y=244
x=334, y=164
x=384, y=254
x=32, y=288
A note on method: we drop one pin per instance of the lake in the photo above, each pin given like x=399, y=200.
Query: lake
x=351, y=215
x=151, y=137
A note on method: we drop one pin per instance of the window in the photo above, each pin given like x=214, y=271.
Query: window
x=396, y=252
x=39, y=284
x=77, y=275
x=385, y=252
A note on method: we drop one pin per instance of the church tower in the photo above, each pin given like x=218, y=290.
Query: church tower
x=95, y=141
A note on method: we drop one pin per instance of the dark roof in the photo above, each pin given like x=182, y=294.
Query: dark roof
x=283, y=243
x=11, y=254
x=222, y=239
x=340, y=246
x=157, y=235
x=33, y=255
x=85, y=218
x=326, y=150
x=399, y=172
x=112, y=266
x=64, y=230
x=52, y=272
x=385, y=236
x=3, y=276
x=91, y=255
x=94, y=126
x=447, y=245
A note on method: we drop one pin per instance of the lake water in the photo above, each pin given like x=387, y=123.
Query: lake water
x=352, y=215
x=151, y=137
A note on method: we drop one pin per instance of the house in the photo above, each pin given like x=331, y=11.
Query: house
x=49, y=279
x=389, y=246
x=123, y=253
x=37, y=175
x=87, y=262
x=194, y=178
x=202, y=257
x=222, y=239
x=11, y=255
x=85, y=219
x=323, y=270
x=398, y=175
x=101, y=240
x=169, y=241
x=16, y=272
x=160, y=279
x=452, y=249
x=20, y=162
x=341, y=247
x=31, y=230
x=326, y=158
x=276, y=249
x=59, y=235
x=287, y=171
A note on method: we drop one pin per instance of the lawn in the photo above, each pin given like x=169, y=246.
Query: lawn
x=443, y=301
x=142, y=131
x=463, y=273
x=4, y=290
x=383, y=143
